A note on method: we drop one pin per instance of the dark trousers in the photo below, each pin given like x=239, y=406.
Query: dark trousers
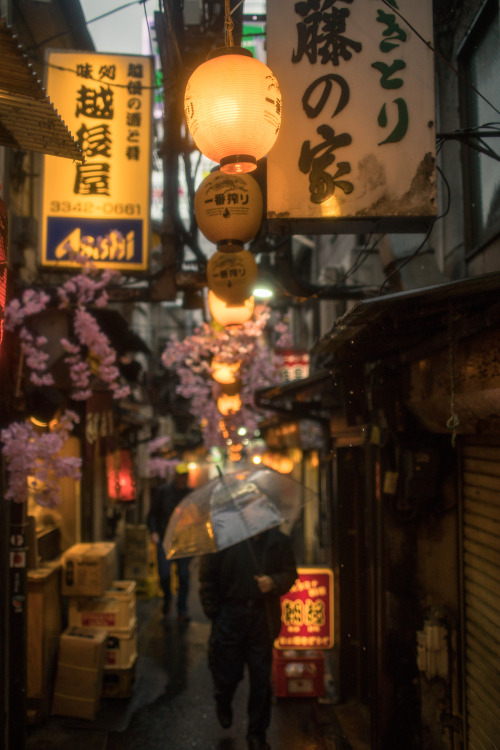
x=164, y=567
x=240, y=635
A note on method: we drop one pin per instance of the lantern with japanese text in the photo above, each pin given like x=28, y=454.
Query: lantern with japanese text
x=231, y=274
x=228, y=207
x=233, y=107
x=230, y=315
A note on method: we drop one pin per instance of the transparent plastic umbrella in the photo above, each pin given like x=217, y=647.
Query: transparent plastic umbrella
x=231, y=508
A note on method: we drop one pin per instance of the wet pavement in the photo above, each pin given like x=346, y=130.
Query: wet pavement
x=172, y=703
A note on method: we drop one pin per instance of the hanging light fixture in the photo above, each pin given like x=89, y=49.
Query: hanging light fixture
x=231, y=274
x=121, y=480
x=224, y=372
x=228, y=207
x=233, y=106
x=230, y=315
x=227, y=404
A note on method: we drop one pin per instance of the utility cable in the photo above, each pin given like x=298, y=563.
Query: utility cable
x=438, y=54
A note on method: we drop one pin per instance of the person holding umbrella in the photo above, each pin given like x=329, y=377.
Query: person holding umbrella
x=165, y=499
x=240, y=588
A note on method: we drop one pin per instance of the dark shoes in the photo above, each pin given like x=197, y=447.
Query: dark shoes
x=255, y=743
x=183, y=619
x=224, y=714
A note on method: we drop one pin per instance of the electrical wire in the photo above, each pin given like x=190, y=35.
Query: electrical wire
x=438, y=54
x=427, y=235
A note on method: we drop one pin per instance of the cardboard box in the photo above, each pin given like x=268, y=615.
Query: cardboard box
x=80, y=669
x=119, y=683
x=121, y=648
x=116, y=610
x=88, y=569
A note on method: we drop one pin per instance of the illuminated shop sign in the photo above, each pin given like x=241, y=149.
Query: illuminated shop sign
x=307, y=611
x=100, y=208
x=357, y=139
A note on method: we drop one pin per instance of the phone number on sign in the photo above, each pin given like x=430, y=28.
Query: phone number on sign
x=88, y=208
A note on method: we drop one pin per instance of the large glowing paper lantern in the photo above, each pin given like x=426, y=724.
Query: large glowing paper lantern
x=233, y=109
x=228, y=207
x=230, y=315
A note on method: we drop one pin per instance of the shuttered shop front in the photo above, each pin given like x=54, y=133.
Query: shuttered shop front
x=481, y=593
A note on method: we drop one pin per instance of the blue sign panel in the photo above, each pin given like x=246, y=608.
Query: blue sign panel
x=117, y=243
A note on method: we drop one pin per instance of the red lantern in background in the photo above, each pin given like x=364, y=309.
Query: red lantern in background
x=121, y=480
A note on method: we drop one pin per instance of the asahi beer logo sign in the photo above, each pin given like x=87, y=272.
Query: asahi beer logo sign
x=100, y=208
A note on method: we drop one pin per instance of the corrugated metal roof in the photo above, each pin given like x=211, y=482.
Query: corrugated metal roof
x=407, y=325
x=28, y=119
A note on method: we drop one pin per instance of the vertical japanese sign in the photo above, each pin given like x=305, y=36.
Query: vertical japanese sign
x=307, y=611
x=101, y=208
x=357, y=139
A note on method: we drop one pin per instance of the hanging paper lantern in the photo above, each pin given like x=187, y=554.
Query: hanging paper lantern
x=230, y=315
x=231, y=274
x=224, y=372
x=228, y=207
x=233, y=109
x=227, y=404
x=121, y=481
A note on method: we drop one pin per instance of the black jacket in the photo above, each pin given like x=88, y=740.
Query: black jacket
x=228, y=575
x=164, y=500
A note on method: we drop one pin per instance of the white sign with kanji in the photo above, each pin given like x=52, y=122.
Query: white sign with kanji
x=357, y=139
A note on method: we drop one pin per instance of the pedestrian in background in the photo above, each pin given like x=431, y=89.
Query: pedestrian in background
x=240, y=589
x=165, y=498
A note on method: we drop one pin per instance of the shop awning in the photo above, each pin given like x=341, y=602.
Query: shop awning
x=28, y=119
x=408, y=326
x=314, y=397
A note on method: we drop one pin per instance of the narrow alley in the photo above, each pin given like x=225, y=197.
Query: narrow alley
x=172, y=706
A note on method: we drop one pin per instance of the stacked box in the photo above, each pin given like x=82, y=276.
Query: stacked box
x=114, y=614
x=115, y=610
x=88, y=569
x=121, y=648
x=80, y=668
x=119, y=683
x=140, y=553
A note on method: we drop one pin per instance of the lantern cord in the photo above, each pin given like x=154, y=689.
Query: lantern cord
x=228, y=26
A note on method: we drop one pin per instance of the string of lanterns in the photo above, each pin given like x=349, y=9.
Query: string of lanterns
x=233, y=107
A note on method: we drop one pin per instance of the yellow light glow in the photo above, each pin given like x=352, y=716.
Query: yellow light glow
x=224, y=372
x=227, y=315
x=229, y=404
